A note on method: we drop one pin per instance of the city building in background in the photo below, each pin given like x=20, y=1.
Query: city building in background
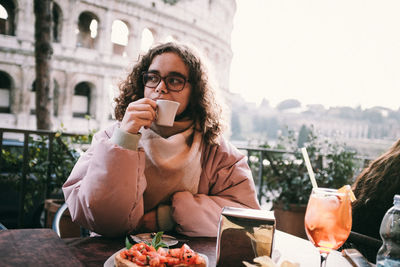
x=95, y=44
x=370, y=131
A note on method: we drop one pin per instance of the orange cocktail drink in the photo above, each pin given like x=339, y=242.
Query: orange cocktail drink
x=328, y=218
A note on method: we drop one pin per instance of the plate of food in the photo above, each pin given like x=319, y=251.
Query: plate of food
x=156, y=253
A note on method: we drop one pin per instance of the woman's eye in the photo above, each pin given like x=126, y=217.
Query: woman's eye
x=175, y=80
x=152, y=78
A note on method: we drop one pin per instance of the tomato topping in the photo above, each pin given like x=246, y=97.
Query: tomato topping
x=173, y=261
x=162, y=251
x=141, y=263
x=123, y=254
x=175, y=252
x=143, y=254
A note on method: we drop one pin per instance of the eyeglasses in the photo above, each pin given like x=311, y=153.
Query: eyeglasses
x=173, y=82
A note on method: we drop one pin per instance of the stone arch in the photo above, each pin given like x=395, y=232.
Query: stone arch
x=6, y=86
x=57, y=22
x=120, y=37
x=7, y=17
x=82, y=101
x=16, y=94
x=147, y=39
x=88, y=25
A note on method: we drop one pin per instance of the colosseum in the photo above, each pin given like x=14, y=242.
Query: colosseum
x=95, y=42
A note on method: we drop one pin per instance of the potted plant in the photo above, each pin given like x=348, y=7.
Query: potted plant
x=286, y=180
x=65, y=152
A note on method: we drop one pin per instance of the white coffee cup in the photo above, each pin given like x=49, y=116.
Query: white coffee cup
x=166, y=111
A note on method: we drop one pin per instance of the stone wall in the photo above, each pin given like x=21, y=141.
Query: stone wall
x=205, y=23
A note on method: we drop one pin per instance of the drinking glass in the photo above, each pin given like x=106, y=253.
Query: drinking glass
x=328, y=220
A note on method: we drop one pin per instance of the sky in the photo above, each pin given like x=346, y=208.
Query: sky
x=334, y=53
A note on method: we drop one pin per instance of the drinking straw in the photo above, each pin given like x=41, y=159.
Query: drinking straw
x=309, y=167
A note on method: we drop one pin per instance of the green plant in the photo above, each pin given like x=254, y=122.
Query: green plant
x=285, y=175
x=42, y=180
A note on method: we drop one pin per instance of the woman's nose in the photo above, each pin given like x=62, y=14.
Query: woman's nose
x=161, y=87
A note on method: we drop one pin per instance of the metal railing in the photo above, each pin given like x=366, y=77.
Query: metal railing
x=267, y=154
x=261, y=155
x=25, y=161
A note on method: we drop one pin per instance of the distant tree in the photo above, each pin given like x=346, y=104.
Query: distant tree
x=43, y=53
x=304, y=136
x=288, y=103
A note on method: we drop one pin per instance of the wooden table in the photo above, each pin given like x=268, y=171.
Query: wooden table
x=42, y=247
x=34, y=247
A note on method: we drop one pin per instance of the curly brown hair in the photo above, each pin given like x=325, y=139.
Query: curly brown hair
x=380, y=178
x=203, y=108
x=375, y=188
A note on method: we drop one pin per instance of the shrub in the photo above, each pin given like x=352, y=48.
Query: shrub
x=285, y=175
x=66, y=151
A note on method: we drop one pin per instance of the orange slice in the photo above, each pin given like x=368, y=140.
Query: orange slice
x=347, y=189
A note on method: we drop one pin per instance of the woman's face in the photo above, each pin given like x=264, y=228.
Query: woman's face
x=169, y=64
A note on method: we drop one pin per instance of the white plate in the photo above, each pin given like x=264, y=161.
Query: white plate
x=147, y=237
x=110, y=261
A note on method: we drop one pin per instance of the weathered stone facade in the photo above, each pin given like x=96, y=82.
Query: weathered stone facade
x=86, y=65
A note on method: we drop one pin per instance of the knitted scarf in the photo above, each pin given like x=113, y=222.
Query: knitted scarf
x=172, y=161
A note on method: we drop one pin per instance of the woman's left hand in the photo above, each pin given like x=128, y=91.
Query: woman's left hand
x=148, y=222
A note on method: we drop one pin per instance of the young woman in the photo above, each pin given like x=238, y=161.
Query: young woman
x=375, y=188
x=139, y=176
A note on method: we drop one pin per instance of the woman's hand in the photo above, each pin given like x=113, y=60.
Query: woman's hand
x=138, y=114
x=148, y=222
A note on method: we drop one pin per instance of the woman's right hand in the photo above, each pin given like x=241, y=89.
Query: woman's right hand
x=140, y=113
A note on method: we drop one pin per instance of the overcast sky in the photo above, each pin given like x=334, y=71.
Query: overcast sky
x=335, y=53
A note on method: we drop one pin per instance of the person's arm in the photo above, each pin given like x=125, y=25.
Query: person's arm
x=226, y=180
x=104, y=191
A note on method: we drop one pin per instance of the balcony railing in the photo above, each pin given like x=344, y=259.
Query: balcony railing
x=256, y=158
x=261, y=155
x=16, y=142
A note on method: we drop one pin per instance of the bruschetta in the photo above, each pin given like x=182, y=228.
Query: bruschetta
x=142, y=254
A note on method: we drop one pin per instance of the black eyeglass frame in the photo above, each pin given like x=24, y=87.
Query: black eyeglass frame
x=144, y=73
